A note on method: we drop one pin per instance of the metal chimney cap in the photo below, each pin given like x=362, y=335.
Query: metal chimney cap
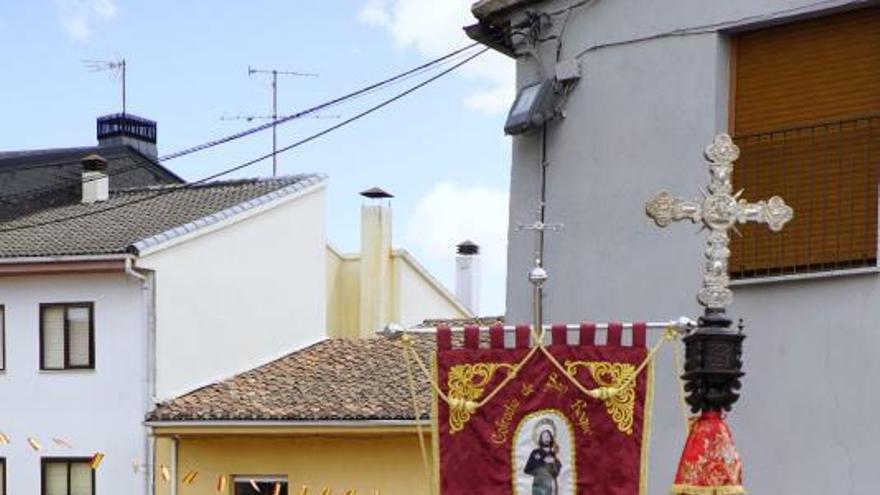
x=94, y=162
x=376, y=193
x=468, y=247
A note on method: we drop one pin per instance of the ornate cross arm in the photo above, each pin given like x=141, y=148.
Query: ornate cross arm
x=719, y=210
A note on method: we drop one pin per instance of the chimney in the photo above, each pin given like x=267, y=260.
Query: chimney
x=467, y=276
x=95, y=182
x=129, y=130
x=375, y=264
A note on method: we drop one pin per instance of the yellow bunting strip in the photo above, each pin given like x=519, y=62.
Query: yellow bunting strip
x=189, y=477
x=96, y=460
x=34, y=444
x=221, y=483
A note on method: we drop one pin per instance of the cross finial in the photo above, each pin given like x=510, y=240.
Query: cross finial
x=719, y=210
x=538, y=275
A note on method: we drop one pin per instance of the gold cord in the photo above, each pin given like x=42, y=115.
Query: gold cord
x=415, y=399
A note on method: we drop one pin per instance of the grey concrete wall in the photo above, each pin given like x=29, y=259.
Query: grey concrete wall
x=637, y=123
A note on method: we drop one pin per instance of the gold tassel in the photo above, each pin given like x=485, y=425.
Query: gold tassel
x=166, y=474
x=221, y=483
x=34, y=444
x=96, y=460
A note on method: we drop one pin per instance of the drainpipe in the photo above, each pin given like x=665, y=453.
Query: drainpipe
x=174, y=465
x=129, y=270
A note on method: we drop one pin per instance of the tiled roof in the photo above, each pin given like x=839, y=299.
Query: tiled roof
x=136, y=218
x=481, y=321
x=334, y=379
x=31, y=180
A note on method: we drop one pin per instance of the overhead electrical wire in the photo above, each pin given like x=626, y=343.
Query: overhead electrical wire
x=429, y=66
x=254, y=161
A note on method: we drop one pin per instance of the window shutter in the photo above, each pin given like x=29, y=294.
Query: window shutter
x=55, y=478
x=80, y=479
x=53, y=337
x=806, y=115
x=79, y=337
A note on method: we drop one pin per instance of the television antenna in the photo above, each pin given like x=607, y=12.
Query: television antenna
x=116, y=68
x=274, y=115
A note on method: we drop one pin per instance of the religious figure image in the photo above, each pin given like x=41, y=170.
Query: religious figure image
x=543, y=464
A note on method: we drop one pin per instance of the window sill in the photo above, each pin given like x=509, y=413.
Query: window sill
x=797, y=277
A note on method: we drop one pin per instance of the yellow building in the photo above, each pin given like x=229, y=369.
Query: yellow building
x=337, y=415
x=382, y=285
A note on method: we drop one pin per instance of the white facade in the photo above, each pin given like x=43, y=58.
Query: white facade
x=99, y=410
x=653, y=93
x=240, y=295
x=192, y=310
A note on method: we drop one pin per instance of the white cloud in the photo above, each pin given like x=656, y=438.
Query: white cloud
x=434, y=28
x=77, y=17
x=450, y=213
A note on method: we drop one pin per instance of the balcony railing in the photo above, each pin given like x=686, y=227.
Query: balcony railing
x=828, y=173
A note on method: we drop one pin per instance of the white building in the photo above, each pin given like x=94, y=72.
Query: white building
x=128, y=298
x=796, y=83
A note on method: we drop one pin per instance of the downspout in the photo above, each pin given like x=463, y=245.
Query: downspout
x=174, y=441
x=129, y=270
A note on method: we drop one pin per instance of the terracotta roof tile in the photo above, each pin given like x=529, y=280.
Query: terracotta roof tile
x=334, y=379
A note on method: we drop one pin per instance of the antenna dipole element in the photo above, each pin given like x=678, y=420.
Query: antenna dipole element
x=115, y=67
x=275, y=73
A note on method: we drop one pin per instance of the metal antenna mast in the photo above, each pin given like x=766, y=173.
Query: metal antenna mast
x=274, y=116
x=116, y=69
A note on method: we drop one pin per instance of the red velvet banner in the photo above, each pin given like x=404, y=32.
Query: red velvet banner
x=540, y=435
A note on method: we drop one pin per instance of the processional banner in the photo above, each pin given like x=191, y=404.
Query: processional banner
x=531, y=430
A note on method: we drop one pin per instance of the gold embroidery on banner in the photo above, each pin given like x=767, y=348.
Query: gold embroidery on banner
x=468, y=382
x=620, y=406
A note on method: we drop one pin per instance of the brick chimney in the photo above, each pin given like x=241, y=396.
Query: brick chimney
x=95, y=182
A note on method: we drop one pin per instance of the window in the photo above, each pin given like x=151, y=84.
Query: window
x=805, y=111
x=67, y=339
x=260, y=485
x=2, y=476
x=68, y=476
x=2, y=343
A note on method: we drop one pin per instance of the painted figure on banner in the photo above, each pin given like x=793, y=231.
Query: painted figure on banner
x=543, y=455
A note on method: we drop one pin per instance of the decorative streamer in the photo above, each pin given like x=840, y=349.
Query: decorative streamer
x=34, y=444
x=96, y=460
x=61, y=443
x=190, y=477
x=221, y=483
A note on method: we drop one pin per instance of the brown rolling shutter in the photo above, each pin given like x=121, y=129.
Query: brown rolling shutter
x=806, y=114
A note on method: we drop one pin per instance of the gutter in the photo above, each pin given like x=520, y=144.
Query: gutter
x=350, y=424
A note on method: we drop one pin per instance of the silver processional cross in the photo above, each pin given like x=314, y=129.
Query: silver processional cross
x=538, y=275
x=719, y=210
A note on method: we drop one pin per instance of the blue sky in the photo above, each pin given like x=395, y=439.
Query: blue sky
x=441, y=151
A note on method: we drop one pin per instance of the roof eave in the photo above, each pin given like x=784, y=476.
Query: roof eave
x=287, y=427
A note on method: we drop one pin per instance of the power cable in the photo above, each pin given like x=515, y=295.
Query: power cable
x=255, y=160
x=373, y=88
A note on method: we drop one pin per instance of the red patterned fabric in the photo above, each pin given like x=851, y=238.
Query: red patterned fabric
x=710, y=464
x=540, y=434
